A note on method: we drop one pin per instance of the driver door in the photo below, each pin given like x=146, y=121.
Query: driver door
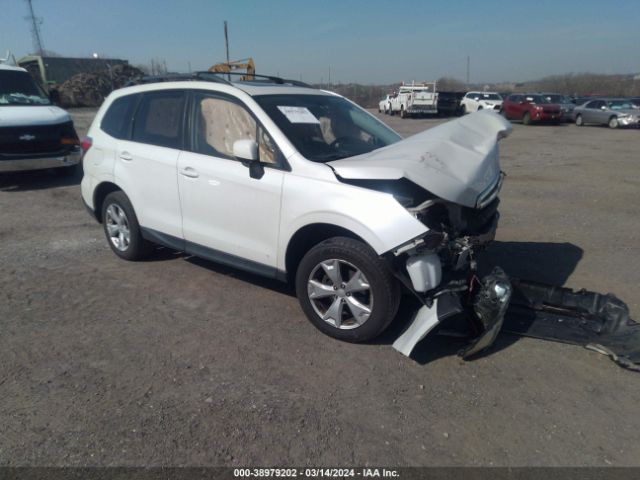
x=228, y=216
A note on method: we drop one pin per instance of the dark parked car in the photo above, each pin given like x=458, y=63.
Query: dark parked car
x=449, y=103
x=566, y=105
x=530, y=108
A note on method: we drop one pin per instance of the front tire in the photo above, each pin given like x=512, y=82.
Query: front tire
x=346, y=290
x=526, y=119
x=579, y=121
x=613, y=122
x=122, y=229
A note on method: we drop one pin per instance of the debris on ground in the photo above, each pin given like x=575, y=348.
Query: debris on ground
x=90, y=89
x=596, y=321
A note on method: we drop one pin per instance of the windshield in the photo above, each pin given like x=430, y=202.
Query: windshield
x=324, y=127
x=620, y=105
x=537, y=99
x=486, y=96
x=555, y=98
x=18, y=88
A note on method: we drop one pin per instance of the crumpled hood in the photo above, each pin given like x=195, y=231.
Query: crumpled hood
x=20, y=115
x=455, y=161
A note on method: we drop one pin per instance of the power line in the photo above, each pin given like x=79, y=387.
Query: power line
x=35, y=30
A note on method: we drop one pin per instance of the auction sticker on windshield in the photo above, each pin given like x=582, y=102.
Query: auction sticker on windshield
x=298, y=115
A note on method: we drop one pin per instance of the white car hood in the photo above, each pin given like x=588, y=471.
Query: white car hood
x=20, y=115
x=455, y=161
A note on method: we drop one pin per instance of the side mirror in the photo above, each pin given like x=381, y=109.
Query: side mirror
x=54, y=97
x=246, y=150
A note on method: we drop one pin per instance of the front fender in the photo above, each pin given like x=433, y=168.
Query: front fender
x=375, y=217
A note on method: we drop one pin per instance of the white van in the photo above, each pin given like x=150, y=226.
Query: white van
x=34, y=134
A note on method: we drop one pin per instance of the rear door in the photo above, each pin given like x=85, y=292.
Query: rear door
x=227, y=215
x=146, y=165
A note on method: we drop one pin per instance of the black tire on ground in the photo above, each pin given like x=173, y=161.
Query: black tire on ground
x=613, y=122
x=463, y=109
x=403, y=114
x=579, y=121
x=383, y=287
x=138, y=247
x=526, y=119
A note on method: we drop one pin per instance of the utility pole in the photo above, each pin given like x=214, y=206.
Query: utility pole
x=329, y=74
x=226, y=43
x=35, y=30
x=468, y=69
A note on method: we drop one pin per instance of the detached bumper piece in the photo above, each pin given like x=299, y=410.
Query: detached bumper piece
x=593, y=320
x=486, y=311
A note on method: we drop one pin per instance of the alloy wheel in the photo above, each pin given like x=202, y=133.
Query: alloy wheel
x=340, y=294
x=117, y=227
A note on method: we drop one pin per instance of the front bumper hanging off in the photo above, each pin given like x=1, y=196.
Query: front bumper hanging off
x=598, y=322
x=486, y=311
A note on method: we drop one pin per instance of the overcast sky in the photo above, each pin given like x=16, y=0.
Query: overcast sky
x=371, y=42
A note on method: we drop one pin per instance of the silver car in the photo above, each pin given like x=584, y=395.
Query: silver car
x=615, y=112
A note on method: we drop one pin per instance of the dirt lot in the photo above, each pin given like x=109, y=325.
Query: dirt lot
x=177, y=361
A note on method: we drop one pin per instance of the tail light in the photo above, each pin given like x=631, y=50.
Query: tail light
x=85, y=144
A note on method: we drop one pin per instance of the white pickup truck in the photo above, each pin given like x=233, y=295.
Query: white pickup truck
x=415, y=99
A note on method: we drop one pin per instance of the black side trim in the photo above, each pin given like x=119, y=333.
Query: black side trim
x=213, y=255
x=231, y=260
x=163, y=239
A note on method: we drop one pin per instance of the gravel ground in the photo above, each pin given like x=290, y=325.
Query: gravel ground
x=178, y=361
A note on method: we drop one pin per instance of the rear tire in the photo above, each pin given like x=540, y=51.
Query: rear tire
x=526, y=119
x=342, y=277
x=122, y=229
x=579, y=121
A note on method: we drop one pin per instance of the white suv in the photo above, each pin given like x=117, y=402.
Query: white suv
x=290, y=182
x=474, y=101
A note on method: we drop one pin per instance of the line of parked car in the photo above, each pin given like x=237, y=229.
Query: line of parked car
x=541, y=107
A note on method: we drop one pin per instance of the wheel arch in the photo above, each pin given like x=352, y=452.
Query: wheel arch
x=99, y=194
x=307, y=237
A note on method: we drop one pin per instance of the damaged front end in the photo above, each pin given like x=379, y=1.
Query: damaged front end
x=441, y=270
x=448, y=178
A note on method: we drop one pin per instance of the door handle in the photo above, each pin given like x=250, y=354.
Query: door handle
x=126, y=156
x=189, y=172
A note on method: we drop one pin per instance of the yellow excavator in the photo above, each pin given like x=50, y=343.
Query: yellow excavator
x=228, y=67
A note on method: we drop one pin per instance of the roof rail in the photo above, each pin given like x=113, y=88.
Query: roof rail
x=177, y=77
x=215, y=77
x=261, y=78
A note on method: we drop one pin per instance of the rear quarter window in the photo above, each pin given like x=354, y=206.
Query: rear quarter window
x=117, y=121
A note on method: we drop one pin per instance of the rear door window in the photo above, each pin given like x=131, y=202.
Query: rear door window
x=117, y=121
x=159, y=119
